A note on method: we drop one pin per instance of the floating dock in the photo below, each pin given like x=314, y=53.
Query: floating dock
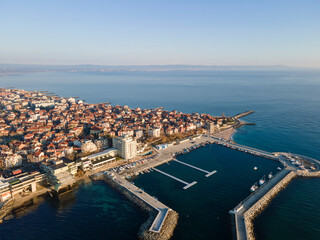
x=187, y=185
x=208, y=174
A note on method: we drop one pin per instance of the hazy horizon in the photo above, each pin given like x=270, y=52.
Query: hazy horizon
x=215, y=33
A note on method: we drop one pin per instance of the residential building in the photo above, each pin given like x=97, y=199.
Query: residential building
x=126, y=146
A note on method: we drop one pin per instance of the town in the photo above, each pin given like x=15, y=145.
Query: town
x=50, y=141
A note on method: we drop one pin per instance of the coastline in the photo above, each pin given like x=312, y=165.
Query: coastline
x=226, y=134
x=143, y=232
x=172, y=217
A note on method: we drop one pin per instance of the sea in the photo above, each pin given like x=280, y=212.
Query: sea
x=287, y=117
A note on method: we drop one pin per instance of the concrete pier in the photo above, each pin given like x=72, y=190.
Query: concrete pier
x=240, y=210
x=208, y=174
x=162, y=220
x=187, y=185
x=244, y=214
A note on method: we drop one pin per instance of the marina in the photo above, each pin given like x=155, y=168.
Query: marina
x=257, y=193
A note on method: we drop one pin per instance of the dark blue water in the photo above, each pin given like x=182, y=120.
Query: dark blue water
x=94, y=211
x=293, y=214
x=287, y=106
x=204, y=207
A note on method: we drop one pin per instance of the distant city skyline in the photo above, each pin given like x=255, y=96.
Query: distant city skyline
x=159, y=33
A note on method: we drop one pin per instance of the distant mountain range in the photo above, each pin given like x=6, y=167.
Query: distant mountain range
x=25, y=68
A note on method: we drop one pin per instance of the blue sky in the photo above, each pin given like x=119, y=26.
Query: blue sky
x=225, y=32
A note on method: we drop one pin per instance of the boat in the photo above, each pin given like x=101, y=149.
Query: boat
x=270, y=175
x=254, y=187
x=255, y=168
x=279, y=168
x=262, y=180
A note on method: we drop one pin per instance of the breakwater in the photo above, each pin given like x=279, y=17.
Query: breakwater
x=263, y=202
x=240, y=115
x=162, y=220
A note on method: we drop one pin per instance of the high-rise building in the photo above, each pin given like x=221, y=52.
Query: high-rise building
x=126, y=146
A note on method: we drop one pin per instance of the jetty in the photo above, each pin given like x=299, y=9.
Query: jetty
x=208, y=174
x=240, y=115
x=187, y=185
x=247, y=210
x=162, y=220
x=240, y=210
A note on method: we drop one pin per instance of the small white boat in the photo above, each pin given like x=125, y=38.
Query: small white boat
x=279, y=168
x=254, y=187
x=270, y=175
x=255, y=168
x=262, y=180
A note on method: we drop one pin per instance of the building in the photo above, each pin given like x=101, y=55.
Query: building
x=13, y=161
x=139, y=133
x=101, y=143
x=161, y=146
x=88, y=147
x=43, y=103
x=155, y=133
x=211, y=127
x=59, y=172
x=126, y=146
x=97, y=160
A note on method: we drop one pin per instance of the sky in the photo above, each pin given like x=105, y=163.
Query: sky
x=136, y=32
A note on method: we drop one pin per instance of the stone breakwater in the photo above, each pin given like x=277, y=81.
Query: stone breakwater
x=259, y=206
x=169, y=224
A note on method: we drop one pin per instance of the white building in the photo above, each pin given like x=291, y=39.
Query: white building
x=102, y=143
x=88, y=147
x=126, y=146
x=155, y=133
x=43, y=103
x=13, y=161
x=139, y=133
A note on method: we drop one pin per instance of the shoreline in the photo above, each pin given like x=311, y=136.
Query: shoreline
x=226, y=134
x=6, y=211
x=19, y=202
x=166, y=155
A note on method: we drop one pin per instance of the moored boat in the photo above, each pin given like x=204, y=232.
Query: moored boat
x=262, y=180
x=254, y=187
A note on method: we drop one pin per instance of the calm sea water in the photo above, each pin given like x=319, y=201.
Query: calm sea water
x=287, y=106
x=204, y=207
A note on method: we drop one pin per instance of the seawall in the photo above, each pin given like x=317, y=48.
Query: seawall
x=171, y=218
x=260, y=205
